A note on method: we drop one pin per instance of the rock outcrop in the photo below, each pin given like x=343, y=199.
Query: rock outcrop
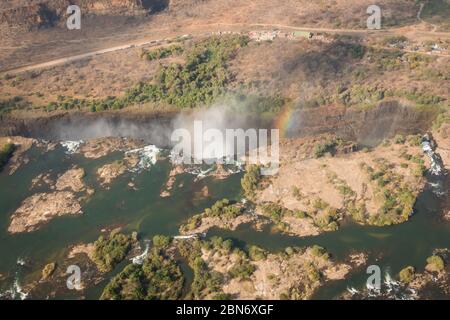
x=40, y=208
x=44, y=13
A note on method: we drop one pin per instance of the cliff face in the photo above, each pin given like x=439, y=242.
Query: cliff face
x=47, y=13
x=367, y=127
x=28, y=17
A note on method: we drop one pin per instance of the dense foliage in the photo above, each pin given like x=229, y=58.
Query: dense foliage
x=11, y=104
x=205, y=281
x=158, y=278
x=200, y=80
x=250, y=181
x=162, y=53
x=397, y=197
x=111, y=250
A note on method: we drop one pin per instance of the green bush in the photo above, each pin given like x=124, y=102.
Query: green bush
x=162, y=53
x=254, y=104
x=250, y=181
x=435, y=263
x=5, y=154
x=256, y=253
x=205, y=282
x=399, y=139
x=200, y=80
x=223, y=209
x=17, y=102
x=242, y=269
x=312, y=272
x=111, y=250
x=217, y=243
x=274, y=211
x=159, y=278
x=406, y=275
x=321, y=149
x=160, y=241
x=319, y=252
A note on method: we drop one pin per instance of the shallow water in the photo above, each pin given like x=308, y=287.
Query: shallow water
x=391, y=248
x=143, y=210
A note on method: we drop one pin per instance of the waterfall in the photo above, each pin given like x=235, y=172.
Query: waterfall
x=71, y=146
x=428, y=147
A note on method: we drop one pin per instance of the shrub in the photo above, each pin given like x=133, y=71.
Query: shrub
x=16, y=102
x=319, y=252
x=274, y=211
x=254, y=104
x=289, y=251
x=223, y=209
x=200, y=80
x=160, y=241
x=250, y=181
x=435, y=263
x=242, y=269
x=256, y=253
x=111, y=250
x=158, y=278
x=312, y=272
x=162, y=53
x=5, y=154
x=406, y=275
x=399, y=139
x=326, y=147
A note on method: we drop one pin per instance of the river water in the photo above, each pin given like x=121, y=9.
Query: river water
x=143, y=210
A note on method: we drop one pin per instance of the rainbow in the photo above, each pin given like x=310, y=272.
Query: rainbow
x=284, y=120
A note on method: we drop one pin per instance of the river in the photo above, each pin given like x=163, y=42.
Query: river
x=143, y=210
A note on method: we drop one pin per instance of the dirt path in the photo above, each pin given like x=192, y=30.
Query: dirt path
x=152, y=42
x=419, y=17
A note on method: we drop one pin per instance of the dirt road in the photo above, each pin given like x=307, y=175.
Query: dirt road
x=213, y=27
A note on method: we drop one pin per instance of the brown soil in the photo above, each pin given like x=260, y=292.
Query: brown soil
x=108, y=27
